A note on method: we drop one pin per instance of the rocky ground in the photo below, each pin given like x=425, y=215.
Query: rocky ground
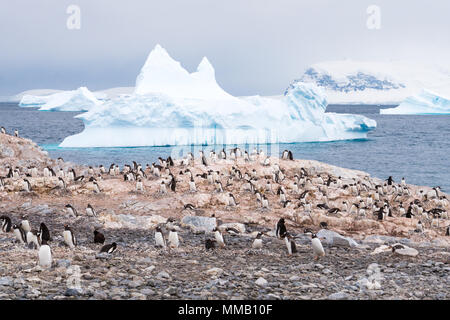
x=139, y=270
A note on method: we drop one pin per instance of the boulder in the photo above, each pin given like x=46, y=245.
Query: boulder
x=335, y=239
x=198, y=223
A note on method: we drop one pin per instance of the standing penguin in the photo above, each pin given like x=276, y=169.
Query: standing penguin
x=173, y=239
x=71, y=210
x=45, y=255
x=26, y=185
x=317, y=247
x=290, y=244
x=69, y=237
x=159, y=238
x=257, y=243
x=19, y=234
x=44, y=234
x=6, y=223
x=61, y=183
x=25, y=224
x=447, y=233
x=219, y=238
x=99, y=237
x=281, y=229
x=33, y=239
x=109, y=248
x=90, y=211
x=96, y=187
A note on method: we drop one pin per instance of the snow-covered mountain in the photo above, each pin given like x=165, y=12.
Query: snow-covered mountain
x=356, y=82
x=427, y=102
x=171, y=106
x=75, y=100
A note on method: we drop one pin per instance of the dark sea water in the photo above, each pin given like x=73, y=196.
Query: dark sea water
x=414, y=147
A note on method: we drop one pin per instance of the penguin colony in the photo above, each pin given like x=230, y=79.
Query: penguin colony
x=303, y=192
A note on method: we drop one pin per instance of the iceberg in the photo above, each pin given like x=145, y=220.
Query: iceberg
x=171, y=106
x=427, y=102
x=80, y=99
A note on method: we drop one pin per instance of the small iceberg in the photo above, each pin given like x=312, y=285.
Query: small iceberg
x=426, y=102
x=80, y=99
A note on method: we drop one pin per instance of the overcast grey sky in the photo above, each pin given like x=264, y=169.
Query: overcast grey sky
x=256, y=46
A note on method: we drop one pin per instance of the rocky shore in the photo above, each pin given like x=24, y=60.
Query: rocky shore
x=140, y=270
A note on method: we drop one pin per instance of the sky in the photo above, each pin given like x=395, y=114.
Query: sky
x=255, y=46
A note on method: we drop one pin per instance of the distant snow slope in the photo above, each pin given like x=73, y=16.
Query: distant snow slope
x=427, y=102
x=171, y=106
x=356, y=82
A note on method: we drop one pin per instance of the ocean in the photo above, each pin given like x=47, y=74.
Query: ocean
x=414, y=147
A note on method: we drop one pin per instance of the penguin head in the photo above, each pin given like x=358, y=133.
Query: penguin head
x=66, y=227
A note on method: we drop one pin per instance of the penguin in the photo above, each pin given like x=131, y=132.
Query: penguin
x=109, y=248
x=264, y=202
x=219, y=187
x=159, y=238
x=139, y=185
x=71, y=210
x=172, y=183
x=323, y=225
x=231, y=200
x=202, y=155
x=79, y=179
x=96, y=187
x=90, y=211
x=284, y=155
x=99, y=237
x=257, y=243
x=281, y=229
x=419, y=227
x=210, y=244
x=16, y=133
x=25, y=225
x=44, y=234
x=45, y=255
x=447, y=233
x=6, y=223
x=162, y=188
x=3, y=130
x=173, y=239
x=69, y=237
x=317, y=247
x=62, y=183
x=219, y=238
x=33, y=239
x=290, y=244
x=27, y=185
x=19, y=233
x=192, y=187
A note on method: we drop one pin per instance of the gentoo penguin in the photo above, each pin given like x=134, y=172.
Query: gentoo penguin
x=290, y=244
x=210, y=244
x=419, y=227
x=159, y=238
x=173, y=239
x=79, y=179
x=99, y=237
x=281, y=229
x=202, y=155
x=25, y=224
x=218, y=186
x=69, y=237
x=32, y=238
x=257, y=243
x=172, y=183
x=16, y=133
x=19, y=233
x=447, y=233
x=44, y=234
x=231, y=200
x=96, y=187
x=71, y=210
x=192, y=187
x=317, y=247
x=6, y=223
x=90, y=211
x=264, y=202
x=219, y=238
x=162, y=188
x=3, y=130
x=139, y=185
x=45, y=255
x=61, y=183
x=109, y=248
x=26, y=185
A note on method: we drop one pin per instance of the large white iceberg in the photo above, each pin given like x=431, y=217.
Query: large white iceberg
x=171, y=106
x=80, y=99
x=427, y=102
